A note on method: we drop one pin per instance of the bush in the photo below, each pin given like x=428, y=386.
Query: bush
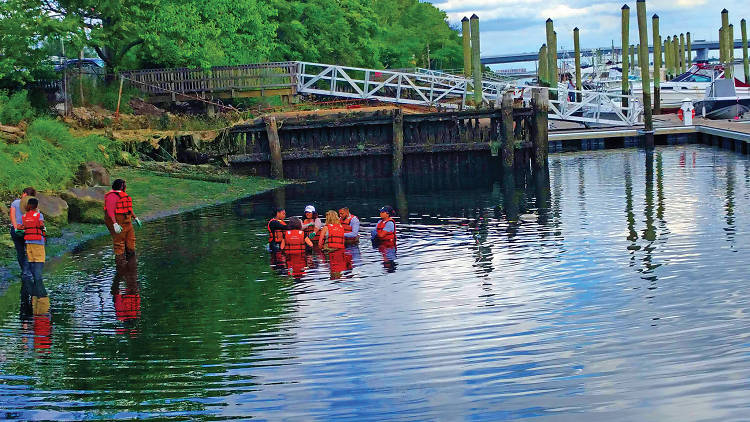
x=49, y=157
x=15, y=108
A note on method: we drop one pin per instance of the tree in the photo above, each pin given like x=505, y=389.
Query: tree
x=20, y=32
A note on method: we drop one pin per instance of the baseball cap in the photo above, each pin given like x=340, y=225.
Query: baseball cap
x=309, y=208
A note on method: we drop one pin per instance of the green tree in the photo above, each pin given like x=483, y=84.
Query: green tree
x=21, y=30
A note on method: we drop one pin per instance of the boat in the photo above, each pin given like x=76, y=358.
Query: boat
x=722, y=102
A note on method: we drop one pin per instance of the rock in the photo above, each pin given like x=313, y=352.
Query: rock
x=141, y=107
x=86, y=204
x=92, y=174
x=54, y=209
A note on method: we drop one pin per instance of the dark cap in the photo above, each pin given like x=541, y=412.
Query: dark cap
x=465, y=19
x=388, y=209
x=277, y=210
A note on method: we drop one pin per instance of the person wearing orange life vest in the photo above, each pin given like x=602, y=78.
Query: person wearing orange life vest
x=332, y=234
x=35, y=236
x=385, y=231
x=311, y=224
x=276, y=227
x=119, y=218
x=350, y=223
x=294, y=240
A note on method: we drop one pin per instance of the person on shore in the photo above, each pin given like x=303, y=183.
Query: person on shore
x=311, y=224
x=350, y=223
x=34, y=236
x=119, y=218
x=17, y=210
x=385, y=232
x=294, y=240
x=332, y=234
x=276, y=227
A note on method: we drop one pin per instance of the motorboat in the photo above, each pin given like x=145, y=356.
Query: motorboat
x=722, y=102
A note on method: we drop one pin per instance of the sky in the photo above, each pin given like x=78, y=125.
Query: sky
x=515, y=26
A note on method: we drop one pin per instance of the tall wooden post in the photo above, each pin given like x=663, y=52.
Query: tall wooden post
x=274, y=146
x=542, y=73
x=539, y=130
x=637, y=56
x=688, y=50
x=722, y=60
x=476, y=64
x=657, y=62
x=668, y=58
x=509, y=142
x=645, y=79
x=577, y=48
x=398, y=142
x=632, y=57
x=625, y=44
x=743, y=28
x=730, y=46
x=466, y=37
x=676, y=53
x=682, y=53
x=551, y=54
x=728, y=70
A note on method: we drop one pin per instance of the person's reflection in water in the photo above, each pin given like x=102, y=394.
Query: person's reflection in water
x=339, y=261
x=128, y=301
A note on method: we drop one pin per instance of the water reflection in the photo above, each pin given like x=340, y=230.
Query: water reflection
x=604, y=288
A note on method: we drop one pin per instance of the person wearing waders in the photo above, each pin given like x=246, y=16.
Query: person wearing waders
x=276, y=227
x=17, y=210
x=119, y=218
x=34, y=235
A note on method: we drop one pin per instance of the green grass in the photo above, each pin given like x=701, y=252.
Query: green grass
x=153, y=197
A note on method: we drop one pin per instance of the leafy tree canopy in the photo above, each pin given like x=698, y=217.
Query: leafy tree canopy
x=172, y=33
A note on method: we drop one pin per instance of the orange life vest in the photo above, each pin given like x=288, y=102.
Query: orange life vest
x=33, y=226
x=345, y=223
x=335, y=236
x=294, y=241
x=275, y=236
x=383, y=235
x=124, y=204
x=311, y=228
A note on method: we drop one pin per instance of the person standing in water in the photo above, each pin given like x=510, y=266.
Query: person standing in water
x=17, y=210
x=119, y=218
x=350, y=223
x=34, y=236
x=276, y=227
x=311, y=223
x=385, y=231
x=332, y=234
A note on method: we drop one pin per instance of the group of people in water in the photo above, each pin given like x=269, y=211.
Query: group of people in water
x=291, y=240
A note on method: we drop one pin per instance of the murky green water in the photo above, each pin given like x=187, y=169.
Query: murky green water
x=616, y=288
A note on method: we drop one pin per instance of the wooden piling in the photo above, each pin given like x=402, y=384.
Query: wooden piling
x=730, y=47
x=398, y=142
x=637, y=56
x=728, y=71
x=688, y=50
x=676, y=54
x=645, y=79
x=632, y=57
x=745, y=63
x=625, y=20
x=668, y=57
x=466, y=37
x=657, y=62
x=682, y=53
x=551, y=54
x=577, y=48
x=539, y=131
x=541, y=71
x=508, y=146
x=274, y=147
x=475, y=62
x=721, y=46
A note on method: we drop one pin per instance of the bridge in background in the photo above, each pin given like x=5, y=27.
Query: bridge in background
x=421, y=87
x=700, y=46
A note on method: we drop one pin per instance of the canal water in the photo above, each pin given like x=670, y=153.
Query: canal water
x=614, y=287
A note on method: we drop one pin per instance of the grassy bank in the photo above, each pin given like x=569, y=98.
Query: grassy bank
x=154, y=197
